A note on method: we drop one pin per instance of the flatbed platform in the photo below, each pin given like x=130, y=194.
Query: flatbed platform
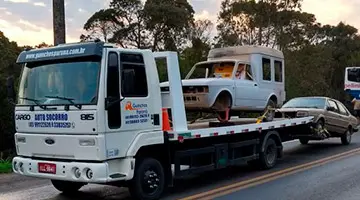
x=208, y=128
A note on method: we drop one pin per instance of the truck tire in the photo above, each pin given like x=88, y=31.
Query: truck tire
x=67, y=187
x=346, y=137
x=149, y=180
x=268, y=158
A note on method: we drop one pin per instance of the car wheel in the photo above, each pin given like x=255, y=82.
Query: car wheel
x=346, y=138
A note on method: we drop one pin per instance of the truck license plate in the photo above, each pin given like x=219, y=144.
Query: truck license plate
x=47, y=168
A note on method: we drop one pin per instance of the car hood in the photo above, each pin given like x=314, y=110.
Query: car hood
x=202, y=82
x=298, y=109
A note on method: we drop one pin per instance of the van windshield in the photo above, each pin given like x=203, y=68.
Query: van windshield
x=59, y=83
x=212, y=70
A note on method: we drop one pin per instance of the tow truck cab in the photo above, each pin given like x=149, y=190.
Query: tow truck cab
x=87, y=102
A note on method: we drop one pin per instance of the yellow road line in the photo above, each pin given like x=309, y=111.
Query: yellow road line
x=272, y=176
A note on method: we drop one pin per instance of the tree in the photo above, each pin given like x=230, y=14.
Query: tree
x=101, y=25
x=169, y=21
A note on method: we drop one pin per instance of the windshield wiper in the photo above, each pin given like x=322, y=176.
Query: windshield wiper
x=68, y=99
x=35, y=101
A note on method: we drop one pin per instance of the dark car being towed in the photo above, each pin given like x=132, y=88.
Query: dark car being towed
x=329, y=114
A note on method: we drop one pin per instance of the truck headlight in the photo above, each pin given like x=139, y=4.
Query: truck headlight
x=302, y=114
x=87, y=142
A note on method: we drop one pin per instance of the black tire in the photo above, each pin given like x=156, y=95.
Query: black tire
x=268, y=158
x=271, y=114
x=67, y=187
x=148, y=173
x=346, y=137
x=304, y=141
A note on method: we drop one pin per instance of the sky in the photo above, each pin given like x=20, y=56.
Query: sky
x=29, y=22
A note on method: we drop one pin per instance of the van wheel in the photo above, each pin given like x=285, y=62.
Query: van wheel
x=346, y=138
x=67, y=187
x=148, y=181
x=222, y=107
x=270, y=115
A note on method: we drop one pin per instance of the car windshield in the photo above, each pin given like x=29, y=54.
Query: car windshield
x=305, y=103
x=212, y=70
x=59, y=83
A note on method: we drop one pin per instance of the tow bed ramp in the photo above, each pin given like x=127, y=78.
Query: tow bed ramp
x=237, y=129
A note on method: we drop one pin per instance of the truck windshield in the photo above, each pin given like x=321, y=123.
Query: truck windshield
x=59, y=83
x=212, y=70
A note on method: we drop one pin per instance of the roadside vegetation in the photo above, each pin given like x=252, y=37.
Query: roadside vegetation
x=5, y=166
x=315, y=54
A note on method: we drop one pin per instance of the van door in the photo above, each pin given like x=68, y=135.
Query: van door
x=246, y=89
x=266, y=86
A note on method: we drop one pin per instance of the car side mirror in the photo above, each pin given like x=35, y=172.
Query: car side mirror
x=10, y=89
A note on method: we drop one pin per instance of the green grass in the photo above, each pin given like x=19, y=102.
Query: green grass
x=5, y=166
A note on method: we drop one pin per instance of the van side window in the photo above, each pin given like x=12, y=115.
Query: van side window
x=133, y=75
x=266, y=69
x=249, y=75
x=278, y=71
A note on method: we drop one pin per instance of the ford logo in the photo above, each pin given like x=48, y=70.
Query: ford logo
x=49, y=141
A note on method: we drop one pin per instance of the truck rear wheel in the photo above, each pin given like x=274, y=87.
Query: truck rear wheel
x=67, y=187
x=149, y=180
x=268, y=158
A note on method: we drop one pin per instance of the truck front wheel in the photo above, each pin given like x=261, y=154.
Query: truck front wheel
x=67, y=186
x=149, y=180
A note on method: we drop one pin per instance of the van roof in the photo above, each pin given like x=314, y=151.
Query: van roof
x=244, y=50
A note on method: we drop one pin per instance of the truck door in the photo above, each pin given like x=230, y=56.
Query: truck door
x=127, y=101
x=127, y=92
x=134, y=89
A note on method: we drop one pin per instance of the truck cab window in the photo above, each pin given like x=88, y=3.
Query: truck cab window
x=133, y=76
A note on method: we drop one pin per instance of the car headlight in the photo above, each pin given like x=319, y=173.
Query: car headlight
x=302, y=114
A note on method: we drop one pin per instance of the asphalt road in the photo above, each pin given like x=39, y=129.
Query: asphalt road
x=335, y=180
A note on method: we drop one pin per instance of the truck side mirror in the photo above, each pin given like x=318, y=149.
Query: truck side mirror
x=10, y=89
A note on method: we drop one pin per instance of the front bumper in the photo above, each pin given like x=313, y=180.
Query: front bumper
x=109, y=171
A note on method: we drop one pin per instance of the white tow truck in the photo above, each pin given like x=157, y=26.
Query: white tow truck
x=93, y=113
